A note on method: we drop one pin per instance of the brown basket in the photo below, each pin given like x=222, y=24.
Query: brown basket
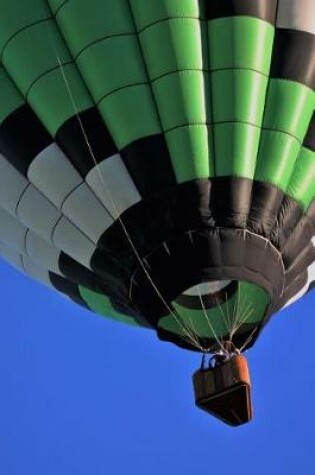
x=225, y=391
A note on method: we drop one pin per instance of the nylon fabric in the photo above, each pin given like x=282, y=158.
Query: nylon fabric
x=175, y=132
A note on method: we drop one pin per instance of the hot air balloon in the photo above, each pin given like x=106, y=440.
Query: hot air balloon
x=157, y=165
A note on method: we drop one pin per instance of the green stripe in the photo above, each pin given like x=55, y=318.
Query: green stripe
x=241, y=43
x=240, y=51
x=112, y=64
x=84, y=22
x=191, y=151
x=10, y=98
x=174, y=45
x=176, y=63
x=302, y=183
x=32, y=58
x=188, y=90
x=189, y=96
x=17, y=14
x=101, y=305
x=55, y=4
x=130, y=114
x=236, y=147
x=289, y=107
x=34, y=52
x=148, y=12
x=276, y=158
x=238, y=95
x=288, y=111
x=238, y=106
x=51, y=101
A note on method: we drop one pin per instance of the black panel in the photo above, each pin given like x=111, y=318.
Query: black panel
x=309, y=141
x=149, y=164
x=312, y=286
x=310, y=213
x=291, y=289
x=155, y=219
x=230, y=201
x=288, y=217
x=294, y=56
x=302, y=262
x=68, y=288
x=195, y=260
x=85, y=140
x=174, y=215
x=22, y=138
x=263, y=9
x=299, y=240
x=180, y=237
x=266, y=202
x=80, y=275
x=114, y=270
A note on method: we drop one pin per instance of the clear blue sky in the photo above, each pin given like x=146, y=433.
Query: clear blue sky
x=81, y=395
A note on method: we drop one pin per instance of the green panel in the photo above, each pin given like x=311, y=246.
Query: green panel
x=240, y=50
x=236, y=147
x=238, y=95
x=147, y=12
x=247, y=306
x=191, y=152
x=240, y=42
x=84, y=22
x=173, y=45
x=177, y=67
x=33, y=59
x=130, y=114
x=18, y=14
x=51, y=100
x=33, y=52
x=10, y=98
x=276, y=158
x=101, y=305
x=289, y=107
x=182, y=98
x=112, y=64
x=56, y=4
x=302, y=183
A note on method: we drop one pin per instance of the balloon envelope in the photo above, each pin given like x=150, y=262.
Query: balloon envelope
x=157, y=158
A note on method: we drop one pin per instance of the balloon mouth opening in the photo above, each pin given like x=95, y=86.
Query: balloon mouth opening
x=207, y=315
x=208, y=294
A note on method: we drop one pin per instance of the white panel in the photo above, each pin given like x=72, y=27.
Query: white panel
x=311, y=269
x=12, y=185
x=12, y=232
x=36, y=272
x=16, y=236
x=297, y=15
x=207, y=288
x=112, y=183
x=84, y=208
x=52, y=173
x=73, y=242
x=311, y=274
x=37, y=213
x=311, y=278
x=12, y=256
x=42, y=253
